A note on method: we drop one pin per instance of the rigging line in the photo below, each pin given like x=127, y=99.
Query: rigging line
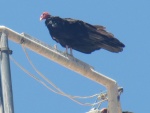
x=28, y=58
x=27, y=72
x=62, y=93
x=47, y=80
x=99, y=102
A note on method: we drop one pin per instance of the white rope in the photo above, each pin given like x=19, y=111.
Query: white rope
x=31, y=75
x=38, y=80
x=86, y=104
x=57, y=90
x=47, y=80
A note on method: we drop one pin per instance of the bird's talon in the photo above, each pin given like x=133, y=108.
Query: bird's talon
x=55, y=46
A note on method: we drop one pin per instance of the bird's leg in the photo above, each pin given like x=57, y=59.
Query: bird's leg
x=67, y=49
x=71, y=53
x=55, y=46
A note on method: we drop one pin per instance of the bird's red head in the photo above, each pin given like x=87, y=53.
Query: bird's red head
x=44, y=15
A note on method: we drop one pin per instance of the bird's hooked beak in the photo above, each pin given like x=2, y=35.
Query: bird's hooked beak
x=41, y=17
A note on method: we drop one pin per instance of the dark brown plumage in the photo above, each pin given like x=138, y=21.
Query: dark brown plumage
x=104, y=110
x=80, y=35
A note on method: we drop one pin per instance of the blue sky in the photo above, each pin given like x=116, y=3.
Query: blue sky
x=128, y=20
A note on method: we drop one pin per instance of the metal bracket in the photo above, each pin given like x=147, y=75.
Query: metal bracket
x=6, y=49
x=22, y=41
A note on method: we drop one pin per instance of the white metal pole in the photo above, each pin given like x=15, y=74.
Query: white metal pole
x=6, y=75
x=1, y=100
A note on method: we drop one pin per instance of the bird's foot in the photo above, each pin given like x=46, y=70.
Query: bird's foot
x=66, y=49
x=55, y=46
x=71, y=53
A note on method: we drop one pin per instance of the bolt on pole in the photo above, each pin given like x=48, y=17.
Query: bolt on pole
x=6, y=84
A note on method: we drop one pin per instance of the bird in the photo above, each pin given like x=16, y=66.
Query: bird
x=79, y=35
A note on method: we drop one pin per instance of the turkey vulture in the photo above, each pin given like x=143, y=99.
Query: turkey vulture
x=79, y=35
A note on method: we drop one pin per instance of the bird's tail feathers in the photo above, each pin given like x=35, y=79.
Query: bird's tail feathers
x=102, y=30
x=111, y=48
x=110, y=43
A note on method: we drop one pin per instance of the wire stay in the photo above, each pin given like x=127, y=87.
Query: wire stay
x=57, y=90
x=48, y=81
